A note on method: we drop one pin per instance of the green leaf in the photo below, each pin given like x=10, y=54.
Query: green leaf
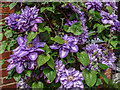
x=104, y=77
x=96, y=25
x=8, y=33
x=42, y=59
x=12, y=5
x=83, y=58
x=65, y=27
x=3, y=47
x=110, y=9
x=70, y=59
x=105, y=53
x=36, y=85
x=50, y=74
x=76, y=28
x=114, y=43
x=58, y=39
x=42, y=9
x=17, y=77
x=94, y=53
x=99, y=82
x=90, y=77
x=1, y=36
x=103, y=66
x=28, y=73
x=101, y=28
x=47, y=49
x=51, y=63
x=1, y=63
x=31, y=36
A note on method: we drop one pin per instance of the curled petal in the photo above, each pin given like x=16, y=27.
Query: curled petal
x=23, y=53
x=63, y=53
x=40, y=44
x=74, y=48
x=54, y=46
x=39, y=20
x=19, y=68
x=33, y=56
x=20, y=40
x=65, y=37
x=11, y=66
x=34, y=28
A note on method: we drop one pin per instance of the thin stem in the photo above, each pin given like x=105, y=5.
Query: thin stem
x=62, y=13
x=50, y=23
x=110, y=37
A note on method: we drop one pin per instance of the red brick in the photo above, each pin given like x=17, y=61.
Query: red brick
x=8, y=81
x=3, y=16
x=6, y=10
x=0, y=81
x=11, y=86
x=5, y=55
x=5, y=64
x=3, y=72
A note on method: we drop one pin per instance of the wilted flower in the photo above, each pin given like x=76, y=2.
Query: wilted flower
x=72, y=79
x=12, y=20
x=29, y=19
x=70, y=44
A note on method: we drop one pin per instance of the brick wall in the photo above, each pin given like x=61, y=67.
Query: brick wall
x=5, y=84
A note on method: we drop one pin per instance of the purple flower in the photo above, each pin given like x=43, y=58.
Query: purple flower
x=60, y=67
x=97, y=55
x=25, y=56
x=110, y=3
x=12, y=20
x=29, y=19
x=107, y=18
x=70, y=44
x=84, y=36
x=94, y=4
x=110, y=19
x=72, y=79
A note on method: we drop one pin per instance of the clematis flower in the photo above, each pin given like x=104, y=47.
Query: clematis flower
x=84, y=36
x=70, y=44
x=72, y=79
x=12, y=20
x=25, y=56
x=32, y=49
x=94, y=4
x=99, y=57
x=60, y=67
x=29, y=19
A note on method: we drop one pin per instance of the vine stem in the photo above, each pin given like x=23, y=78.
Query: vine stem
x=110, y=37
x=49, y=23
x=62, y=13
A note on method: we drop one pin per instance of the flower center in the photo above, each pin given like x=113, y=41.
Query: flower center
x=66, y=41
x=16, y=19
x=57, y=68
x=29, y=45
x=70, y=78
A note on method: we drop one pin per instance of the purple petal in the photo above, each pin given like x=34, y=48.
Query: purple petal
x=33, y=56
x=11, y=66
x=63, y=53
x=39, y=20
x=74, y=48
x=54, y=46
x=20, y=40
x=23, y=53
x=34, y=28
x=19, y=68
x=40, y=44
x=65, y=37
